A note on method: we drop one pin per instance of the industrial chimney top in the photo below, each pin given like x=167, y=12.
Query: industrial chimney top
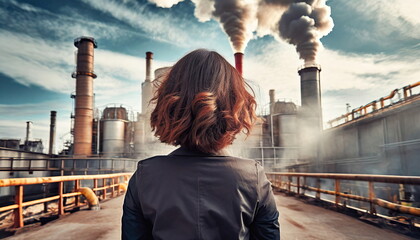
x=309, y=67
x=78, y=40
x=149, y=55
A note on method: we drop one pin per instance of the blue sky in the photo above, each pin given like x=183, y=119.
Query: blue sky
x=372, y=49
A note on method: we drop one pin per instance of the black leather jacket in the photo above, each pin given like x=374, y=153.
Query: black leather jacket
x=192, y=195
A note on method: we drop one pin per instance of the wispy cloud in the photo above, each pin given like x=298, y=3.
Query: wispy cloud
x=161, y=27
x=386, y=22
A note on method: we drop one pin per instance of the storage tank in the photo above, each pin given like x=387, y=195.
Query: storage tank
x=114, y=123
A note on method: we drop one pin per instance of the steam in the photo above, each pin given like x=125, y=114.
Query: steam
x=298, y=22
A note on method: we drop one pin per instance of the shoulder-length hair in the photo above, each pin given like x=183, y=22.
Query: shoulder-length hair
x=202, y=103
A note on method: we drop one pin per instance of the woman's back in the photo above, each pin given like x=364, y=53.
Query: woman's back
x=202, y=103
x=192, y=195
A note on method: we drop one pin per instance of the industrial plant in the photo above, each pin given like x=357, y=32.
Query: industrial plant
x=381, y=137
x=289, y=137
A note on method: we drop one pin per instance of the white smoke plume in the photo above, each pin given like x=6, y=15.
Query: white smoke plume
x=299, y=22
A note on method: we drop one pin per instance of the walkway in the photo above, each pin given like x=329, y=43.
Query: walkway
x=297, y=219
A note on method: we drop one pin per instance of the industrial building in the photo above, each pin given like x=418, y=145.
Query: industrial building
x=288, y=137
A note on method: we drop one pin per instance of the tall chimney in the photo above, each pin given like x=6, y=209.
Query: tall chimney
x=149, y=59
x=28, y=131
x=310, y=89
x=310, y=115
x=52, y=132
x=146, y=86
x=238, y=61
x=272, y=94
x=84, y=75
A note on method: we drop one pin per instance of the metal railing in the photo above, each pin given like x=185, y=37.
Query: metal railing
x=402, y=95
x=284, y=181
x=67, y=164
x=19, y=183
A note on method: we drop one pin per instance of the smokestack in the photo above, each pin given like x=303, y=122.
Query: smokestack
x=146, y=86
x=272, y=94
x=310, y=89
x=238, y=61
x=52, y=132
x=84, y=75
x=149, y=59
x=310, y=115
x=28, y=131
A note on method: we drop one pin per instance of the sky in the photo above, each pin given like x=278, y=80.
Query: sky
x=372, y=49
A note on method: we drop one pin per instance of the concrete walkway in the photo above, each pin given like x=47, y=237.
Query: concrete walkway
x=297, y=219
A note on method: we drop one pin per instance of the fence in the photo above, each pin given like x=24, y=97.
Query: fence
x=117, y=183
x=301, y=180
x=67, y=164
x=401, y=95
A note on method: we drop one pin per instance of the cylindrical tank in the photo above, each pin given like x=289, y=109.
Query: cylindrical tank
x=113, y=137
x=114, y=121
x=51, y=146
x=84, y=96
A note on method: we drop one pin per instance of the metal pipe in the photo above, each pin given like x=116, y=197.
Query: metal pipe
x=84, y=96
x=53, y=118
x=238, y=61
x=90, y=197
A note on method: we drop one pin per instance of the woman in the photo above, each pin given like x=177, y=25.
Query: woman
x=198, y=191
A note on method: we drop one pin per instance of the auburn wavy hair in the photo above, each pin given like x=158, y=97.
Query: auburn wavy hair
x=202, y=103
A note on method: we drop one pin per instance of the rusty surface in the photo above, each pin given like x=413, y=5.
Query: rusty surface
x=90, y=195
x=84, y=98
x=28, y=181
x=355, y=177
x=372, y=200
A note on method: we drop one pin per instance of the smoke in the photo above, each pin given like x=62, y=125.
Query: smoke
x=238, y=18
x=298, y=22
x=303, y=24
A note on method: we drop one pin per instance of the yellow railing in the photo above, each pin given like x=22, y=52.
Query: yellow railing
x=284, y=181
x=375, y=105
x=118, y=182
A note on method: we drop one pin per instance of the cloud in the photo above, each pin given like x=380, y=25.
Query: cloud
x=384, y=22
x=36, y=61
x=160, y=27
x=345, y=77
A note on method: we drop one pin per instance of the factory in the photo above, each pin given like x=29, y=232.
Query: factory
x=288, y=137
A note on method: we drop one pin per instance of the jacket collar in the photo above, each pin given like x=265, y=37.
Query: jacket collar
x=183, y=151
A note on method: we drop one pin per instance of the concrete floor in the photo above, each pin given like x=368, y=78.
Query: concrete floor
x=297, y=219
